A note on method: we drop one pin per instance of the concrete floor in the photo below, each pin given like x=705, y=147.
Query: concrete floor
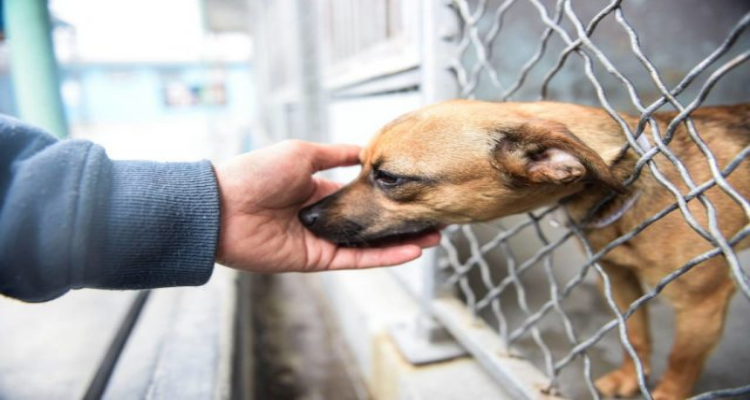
x=52, y=350
x=299, y=354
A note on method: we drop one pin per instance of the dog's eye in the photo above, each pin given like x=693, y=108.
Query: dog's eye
x=387, y=179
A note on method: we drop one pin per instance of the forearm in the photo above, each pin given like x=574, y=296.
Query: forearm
x=162, y=228
x=72, y=218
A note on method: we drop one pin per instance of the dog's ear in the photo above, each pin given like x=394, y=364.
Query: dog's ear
x=541, y=151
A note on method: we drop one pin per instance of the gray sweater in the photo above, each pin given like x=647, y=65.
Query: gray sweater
x=72, y=218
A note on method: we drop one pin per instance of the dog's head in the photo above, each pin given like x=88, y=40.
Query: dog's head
x=455, y=162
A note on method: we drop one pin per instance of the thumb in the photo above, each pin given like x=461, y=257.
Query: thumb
x=327, y=156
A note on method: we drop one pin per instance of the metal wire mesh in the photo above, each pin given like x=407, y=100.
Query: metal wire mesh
x=569, y=51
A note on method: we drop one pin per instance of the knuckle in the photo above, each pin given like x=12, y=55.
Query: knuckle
x=294, y=145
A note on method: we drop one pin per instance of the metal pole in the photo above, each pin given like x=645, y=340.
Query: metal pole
x=33, y=65
x=439, y=33
x=422, y=340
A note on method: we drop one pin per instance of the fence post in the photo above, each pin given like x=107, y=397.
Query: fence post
x=33, y=65
x=423, y=340
x=439, y=33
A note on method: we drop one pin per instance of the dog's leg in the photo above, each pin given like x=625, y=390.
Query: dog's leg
x=698, y=327
x=626, y=288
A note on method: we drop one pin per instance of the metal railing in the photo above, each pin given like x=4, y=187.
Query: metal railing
x=518, y=294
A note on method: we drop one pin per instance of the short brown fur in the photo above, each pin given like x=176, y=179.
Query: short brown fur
x=469, y=161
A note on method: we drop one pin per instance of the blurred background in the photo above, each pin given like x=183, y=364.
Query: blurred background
x=165, y=80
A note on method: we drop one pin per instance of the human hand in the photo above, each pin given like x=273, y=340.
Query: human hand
x=261, y=194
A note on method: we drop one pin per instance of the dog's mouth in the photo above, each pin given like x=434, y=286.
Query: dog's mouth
x=389, y=237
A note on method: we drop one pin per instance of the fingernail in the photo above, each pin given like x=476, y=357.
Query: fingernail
x=412, y=251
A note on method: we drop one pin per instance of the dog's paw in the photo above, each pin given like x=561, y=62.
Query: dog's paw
x=668, y=391
x=618, y=383
x=657, y=395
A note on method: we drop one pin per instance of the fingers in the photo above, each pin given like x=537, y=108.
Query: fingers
x=327, y=156
x=323, y=188
x=358, y=258
x=429, y=239
x=349, y=258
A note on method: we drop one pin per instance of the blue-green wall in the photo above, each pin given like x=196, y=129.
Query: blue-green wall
x=130, y=93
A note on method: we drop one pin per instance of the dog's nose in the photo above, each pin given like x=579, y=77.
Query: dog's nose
x=309, y=216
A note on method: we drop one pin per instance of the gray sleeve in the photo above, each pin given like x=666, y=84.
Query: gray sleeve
x=72, y=218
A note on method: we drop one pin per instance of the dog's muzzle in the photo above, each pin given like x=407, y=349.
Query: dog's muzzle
x=309, y=216
x=318, y=220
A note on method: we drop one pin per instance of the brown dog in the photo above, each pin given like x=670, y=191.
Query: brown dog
x=467, y=161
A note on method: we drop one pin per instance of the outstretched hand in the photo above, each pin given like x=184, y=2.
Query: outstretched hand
x=261, y=194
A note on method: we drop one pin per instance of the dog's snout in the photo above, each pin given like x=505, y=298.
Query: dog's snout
x=323, y=220
x=309, y=216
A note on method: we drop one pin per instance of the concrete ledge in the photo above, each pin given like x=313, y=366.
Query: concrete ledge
x=366, y=304
x=53, y=350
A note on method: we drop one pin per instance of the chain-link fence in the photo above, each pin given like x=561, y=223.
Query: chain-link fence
x=521, y=275
x=527, y=285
